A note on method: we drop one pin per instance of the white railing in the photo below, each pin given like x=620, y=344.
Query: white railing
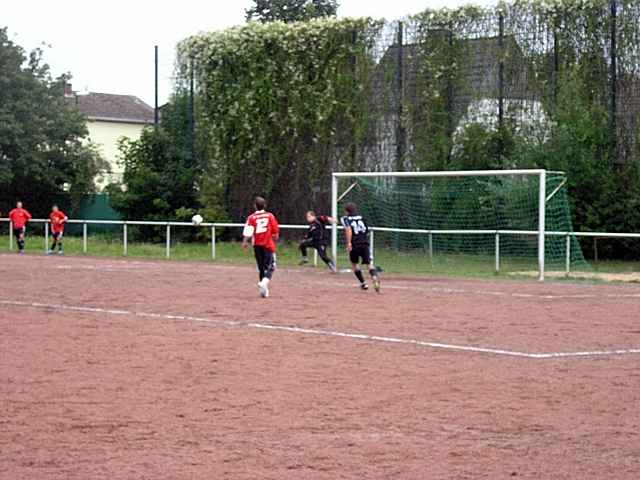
x=498, y=234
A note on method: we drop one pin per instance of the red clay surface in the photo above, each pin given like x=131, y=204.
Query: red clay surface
x=115, y=395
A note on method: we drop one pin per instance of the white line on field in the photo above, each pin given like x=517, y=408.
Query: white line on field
x=494, y=293
x=326, y=333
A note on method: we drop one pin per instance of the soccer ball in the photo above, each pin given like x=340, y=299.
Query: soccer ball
x=197, y=220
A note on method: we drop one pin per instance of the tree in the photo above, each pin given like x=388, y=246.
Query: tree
x=291, y=10
x=160, y=173
x=43, y=152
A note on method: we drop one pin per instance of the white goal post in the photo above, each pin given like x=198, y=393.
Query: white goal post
x=542, y=198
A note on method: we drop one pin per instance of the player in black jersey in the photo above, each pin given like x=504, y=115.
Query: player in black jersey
x=316, y=237
x=356, y=233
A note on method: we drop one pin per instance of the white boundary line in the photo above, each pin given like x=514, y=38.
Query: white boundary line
x=325, y=333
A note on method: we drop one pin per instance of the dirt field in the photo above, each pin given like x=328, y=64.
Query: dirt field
x=116, y=369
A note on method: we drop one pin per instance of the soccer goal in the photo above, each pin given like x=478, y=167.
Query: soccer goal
x=516, y=219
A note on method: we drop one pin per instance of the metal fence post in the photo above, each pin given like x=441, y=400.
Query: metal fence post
x=371, y=246
x=497, y=252
x=567, y=267
x=124, y=239
x=168, y=241
x=431, y=247
x=10, y=236
x=315, y=257
x=46, y=237
x=84, y=237
x=213, y=243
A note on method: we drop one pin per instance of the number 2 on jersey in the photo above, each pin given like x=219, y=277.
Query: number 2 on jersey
x=261, y=225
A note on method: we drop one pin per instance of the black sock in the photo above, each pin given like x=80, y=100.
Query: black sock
x=373, y=272
x=60, y=246
x=359, y=276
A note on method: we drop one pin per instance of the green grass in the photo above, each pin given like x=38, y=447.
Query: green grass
x=457, y=265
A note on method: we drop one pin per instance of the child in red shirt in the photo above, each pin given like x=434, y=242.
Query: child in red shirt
x=57, y=219
x=262, y=229
x=19, y=218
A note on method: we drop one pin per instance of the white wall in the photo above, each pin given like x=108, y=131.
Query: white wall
x=106, y=135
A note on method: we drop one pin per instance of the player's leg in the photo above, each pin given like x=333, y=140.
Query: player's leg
x=54, y=244
x=19, y=234
x=373, y=272
x=322, y=253
x=268, y=268
x=354, y=258
x=258, y=253
x=304, y=245
x=59, y=240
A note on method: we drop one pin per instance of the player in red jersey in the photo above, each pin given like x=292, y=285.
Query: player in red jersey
x=57, y=219
x=19, y=218
x=262, y=229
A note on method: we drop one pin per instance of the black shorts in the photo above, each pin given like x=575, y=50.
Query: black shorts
x=19, y=231
x=57, y=235
x=360, y=252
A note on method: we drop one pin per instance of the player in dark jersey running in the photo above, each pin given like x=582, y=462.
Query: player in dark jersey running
x=316, y=237
x=356, y=233
x=262, y=230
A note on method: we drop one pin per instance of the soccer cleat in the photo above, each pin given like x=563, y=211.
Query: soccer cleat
x=61, y=252
x=376, y=284
x=263, y=286
x=49, y=252
x=364, y=286
x=333, y=268
x=304, y=261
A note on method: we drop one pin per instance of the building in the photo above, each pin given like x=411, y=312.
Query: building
x=109, y=118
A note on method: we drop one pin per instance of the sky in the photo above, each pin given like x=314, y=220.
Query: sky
x=108, y=47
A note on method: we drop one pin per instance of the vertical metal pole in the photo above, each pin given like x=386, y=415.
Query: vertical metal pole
x=595, y=249
x=156, y=112
x=334, y=214
x=400, y=133
x=614, y=78
x=46, y=236
x=213, y=243
x=497, y=252
x=168, y=239
x=84, y=237
x=190, y=115
x=124, y=239
x=542, y=211
x=567, y=251
x=556, y=68
x=10, y=236
x=315, y=257
x=431, y=247
x=371, y=245
x=501, y=71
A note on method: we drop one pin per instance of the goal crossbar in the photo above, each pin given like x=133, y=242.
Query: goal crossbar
x=542, y=198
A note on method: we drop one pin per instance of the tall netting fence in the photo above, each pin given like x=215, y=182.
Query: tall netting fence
x=456, y=223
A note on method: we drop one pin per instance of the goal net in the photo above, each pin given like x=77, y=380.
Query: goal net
x=464, y=222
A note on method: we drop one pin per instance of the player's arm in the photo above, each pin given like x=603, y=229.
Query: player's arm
x=275, y=227
x=28, y=215
x=247, y=232
x=328, y=219
x=348, y=236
